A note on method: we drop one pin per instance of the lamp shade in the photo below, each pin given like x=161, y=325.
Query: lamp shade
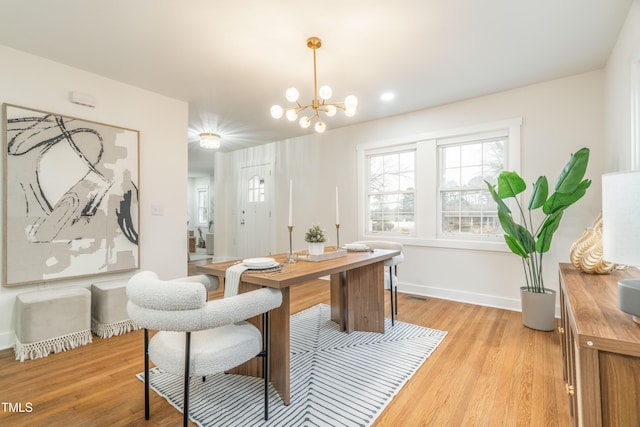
x=621, y=232
x=621, y=217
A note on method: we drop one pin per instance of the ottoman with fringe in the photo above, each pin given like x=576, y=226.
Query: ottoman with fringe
x=51, y=321
x=109, y=315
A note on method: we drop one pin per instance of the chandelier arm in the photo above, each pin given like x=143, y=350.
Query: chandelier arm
x=315, y=81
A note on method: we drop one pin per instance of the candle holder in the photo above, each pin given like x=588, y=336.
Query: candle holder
x=337, y=236
x=290, y=258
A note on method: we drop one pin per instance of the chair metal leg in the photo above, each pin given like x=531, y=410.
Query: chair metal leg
x=265, y=362
x=396, y=289
x=146, y=374
x=391, y=294
x=187, y=359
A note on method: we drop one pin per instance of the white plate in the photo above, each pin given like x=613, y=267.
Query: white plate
x=256, y=263
x=265, y=267
x=356, y=247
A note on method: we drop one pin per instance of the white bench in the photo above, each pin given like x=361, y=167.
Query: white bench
x=51, y=321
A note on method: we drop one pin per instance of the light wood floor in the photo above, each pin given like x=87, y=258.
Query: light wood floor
x=489, y=371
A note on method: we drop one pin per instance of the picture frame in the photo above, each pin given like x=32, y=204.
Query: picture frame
x=70, y=197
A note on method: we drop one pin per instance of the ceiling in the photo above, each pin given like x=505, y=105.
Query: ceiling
x=232, y=60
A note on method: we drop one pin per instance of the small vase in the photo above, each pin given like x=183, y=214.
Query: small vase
x=316, y=248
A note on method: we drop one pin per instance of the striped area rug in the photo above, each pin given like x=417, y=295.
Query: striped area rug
x=337, y=379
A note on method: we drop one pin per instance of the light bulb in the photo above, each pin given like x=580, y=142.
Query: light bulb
x=330, y=110
x=351, y=101
x=292, y=94
x=276, y=111
x=320, y=127
x=291, y=115
x=325, y=92
x=305, y=122
x=350, y=111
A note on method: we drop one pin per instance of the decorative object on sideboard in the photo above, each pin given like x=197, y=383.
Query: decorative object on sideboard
x=621, y=232
x=317, y=105
x=586, y=252
x=531, y=241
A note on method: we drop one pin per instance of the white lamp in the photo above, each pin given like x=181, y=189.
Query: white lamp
x=621, y=232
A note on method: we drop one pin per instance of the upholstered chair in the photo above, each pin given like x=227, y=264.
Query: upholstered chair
x=197, y=337
x=390, y=277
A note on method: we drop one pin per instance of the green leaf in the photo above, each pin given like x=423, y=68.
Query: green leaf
x=573, y=172
x=561, y=201
x=515, y=246
x=540, y=193
x=510, y=184
x=498, y=200
x=545, y=235
x=516, y=232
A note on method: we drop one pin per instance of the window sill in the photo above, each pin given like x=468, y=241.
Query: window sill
x=476, y=245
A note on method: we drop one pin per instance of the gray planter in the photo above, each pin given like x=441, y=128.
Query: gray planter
x=538, y=309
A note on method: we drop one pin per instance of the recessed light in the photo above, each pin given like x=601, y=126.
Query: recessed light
x=387, y=96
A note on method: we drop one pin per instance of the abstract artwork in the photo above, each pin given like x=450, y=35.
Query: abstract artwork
x=71, y=191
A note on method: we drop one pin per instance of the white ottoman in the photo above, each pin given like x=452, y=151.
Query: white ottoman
x=109, y=309
x=51, y=321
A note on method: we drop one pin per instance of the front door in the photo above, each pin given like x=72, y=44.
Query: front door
x=256, y=199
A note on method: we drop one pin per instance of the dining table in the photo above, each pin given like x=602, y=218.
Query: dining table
x=357, y=301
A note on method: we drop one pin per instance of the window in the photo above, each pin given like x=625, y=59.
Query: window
x=256, y=189
x=203, y=206
x=391, y=192
x=465, y=206
x=429, y=189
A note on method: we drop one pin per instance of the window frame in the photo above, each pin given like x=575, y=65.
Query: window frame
x=384, y=151
x=427, y=181
x=205, y=191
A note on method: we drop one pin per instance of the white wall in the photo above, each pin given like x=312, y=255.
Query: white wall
x=618, y=92
x=34, y=82
x=559, y=117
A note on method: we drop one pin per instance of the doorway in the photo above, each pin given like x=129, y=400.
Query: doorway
x=255, y=206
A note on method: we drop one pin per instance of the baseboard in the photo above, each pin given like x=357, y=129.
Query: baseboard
x=511, y=304
x=6, y=340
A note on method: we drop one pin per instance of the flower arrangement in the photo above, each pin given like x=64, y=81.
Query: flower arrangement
x=315, y=235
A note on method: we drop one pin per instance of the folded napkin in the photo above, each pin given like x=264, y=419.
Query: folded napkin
x=232, y=279
x=356, y=246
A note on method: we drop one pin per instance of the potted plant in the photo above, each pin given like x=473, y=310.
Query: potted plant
x=530, y=240
x=315, y=237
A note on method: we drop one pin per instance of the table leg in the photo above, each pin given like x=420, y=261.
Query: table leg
x=365, y=298
x=357, y=298
x=279, y=345
x=337, y=286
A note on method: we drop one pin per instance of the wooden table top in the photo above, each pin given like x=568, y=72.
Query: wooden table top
x=301, y=271
x=593, y=299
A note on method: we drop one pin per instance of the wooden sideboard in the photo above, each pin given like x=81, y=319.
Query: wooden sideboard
x=600, y=350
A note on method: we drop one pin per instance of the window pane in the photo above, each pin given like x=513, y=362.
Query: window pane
x=493, y=163
x=390, y=202
x=466, y=207
x=451, y=156
x=471, y=155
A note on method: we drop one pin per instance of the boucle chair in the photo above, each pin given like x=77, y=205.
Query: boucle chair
x=390, y=278
x=109, y=305
x=197, y=338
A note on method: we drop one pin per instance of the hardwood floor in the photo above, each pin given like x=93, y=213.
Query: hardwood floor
x=489, y=371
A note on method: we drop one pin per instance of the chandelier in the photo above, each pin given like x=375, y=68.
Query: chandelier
x=317, y=105
x=210, y=141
